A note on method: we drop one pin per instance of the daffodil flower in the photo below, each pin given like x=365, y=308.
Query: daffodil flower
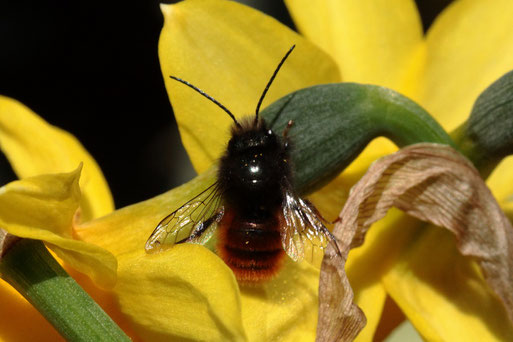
x=382, y=43
x=229, y=50
x=45, y=204
x=468, y=47
x=223, y=43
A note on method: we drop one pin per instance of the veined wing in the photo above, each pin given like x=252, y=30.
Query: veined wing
x=195, y=221
x=304, y=236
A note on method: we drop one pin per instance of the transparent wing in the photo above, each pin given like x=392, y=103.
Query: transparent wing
x=304, y=236
x=195, y=221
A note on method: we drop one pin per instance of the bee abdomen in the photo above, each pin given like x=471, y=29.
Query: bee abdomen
x=252, y=250
x=256, y=260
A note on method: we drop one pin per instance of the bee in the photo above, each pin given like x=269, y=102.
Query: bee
x=253, y=204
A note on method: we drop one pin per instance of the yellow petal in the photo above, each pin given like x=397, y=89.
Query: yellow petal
x=364, y=263
x=507, y=207
x=367, y=263
x=268, y=312
x=469, y=46
x=34, y=147
x=444, y=294
x=43, y=208
x=370, y=298
x=391, y=319
x=285, y=308
x=331, y=198
x=126, y=230
x=500, y=181
x=185, y=293
x=372, y=41
x=229, y=51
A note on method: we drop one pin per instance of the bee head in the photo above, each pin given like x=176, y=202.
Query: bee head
x=252, y=136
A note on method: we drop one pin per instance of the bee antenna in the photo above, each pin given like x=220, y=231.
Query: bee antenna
x=208, y=97
x=271, y=81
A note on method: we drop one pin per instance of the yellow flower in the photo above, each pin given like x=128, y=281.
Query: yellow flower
x=468, y=47
x=229, y=51
x=43, y=205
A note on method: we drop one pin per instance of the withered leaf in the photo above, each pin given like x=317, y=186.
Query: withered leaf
x=433, y=183
x=6, y=241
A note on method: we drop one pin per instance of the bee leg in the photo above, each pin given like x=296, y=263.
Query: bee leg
x=337, y=220
x=286, y=130
x=203, y=227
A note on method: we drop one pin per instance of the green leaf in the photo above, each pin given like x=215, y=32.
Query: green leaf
x=487, y=136
x=334, y=122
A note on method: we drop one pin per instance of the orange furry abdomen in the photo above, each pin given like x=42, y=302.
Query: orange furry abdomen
x=253, y=250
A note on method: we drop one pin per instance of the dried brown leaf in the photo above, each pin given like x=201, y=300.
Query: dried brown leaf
x=6, y=241
x=433, y=183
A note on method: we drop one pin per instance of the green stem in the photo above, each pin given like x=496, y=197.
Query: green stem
x=334, y=122
x=484, y=161
x=487, y=136
x=30, y=268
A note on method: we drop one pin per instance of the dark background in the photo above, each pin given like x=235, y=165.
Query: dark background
x=91, y=68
